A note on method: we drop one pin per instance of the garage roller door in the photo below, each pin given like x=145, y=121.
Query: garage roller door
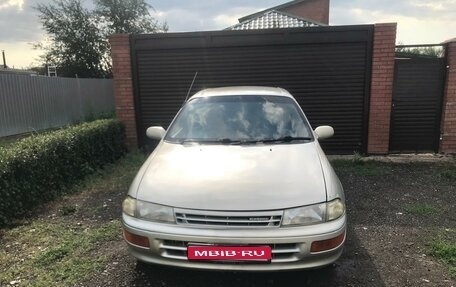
x=327, y=69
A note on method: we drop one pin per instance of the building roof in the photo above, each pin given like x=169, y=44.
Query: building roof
x=274, y=19
x=278, y=7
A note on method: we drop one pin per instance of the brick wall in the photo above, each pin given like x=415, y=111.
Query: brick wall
x=123, y=85
x=448, y=143
x=381, y=88
x=317, y=10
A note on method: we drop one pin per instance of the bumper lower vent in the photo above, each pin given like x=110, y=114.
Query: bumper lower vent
x=286, y=252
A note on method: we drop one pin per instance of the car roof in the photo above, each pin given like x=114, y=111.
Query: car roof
x=242, y=91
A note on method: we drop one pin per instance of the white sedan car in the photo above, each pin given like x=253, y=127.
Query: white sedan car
x=238, y=182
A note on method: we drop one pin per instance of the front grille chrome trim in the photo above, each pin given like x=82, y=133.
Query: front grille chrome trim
x=269, y=219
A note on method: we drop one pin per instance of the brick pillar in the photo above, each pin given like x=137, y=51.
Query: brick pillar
x=448, y=143
x=381, y=88
x=123, y=85
x=317, y=10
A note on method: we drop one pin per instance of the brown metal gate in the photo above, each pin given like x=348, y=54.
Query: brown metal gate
x=327, y=69
x=417, y=104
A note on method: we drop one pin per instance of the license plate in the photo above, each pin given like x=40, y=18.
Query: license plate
x=229, y=253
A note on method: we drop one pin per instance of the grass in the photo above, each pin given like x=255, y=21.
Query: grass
x=360, y=167
x=115, y=176
x=53, y=254
x=448, y=173
x=444, y=248
x=60, y=251
x=68, y=209
x=422, y=209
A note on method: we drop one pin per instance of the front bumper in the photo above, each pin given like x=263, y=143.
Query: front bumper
x=290, y=245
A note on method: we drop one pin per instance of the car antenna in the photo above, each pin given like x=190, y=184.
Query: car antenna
x=190, y=89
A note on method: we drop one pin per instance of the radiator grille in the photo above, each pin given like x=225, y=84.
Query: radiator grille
x=229, y=219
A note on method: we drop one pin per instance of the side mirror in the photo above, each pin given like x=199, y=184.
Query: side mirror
x=155, y=133
x=324, y=132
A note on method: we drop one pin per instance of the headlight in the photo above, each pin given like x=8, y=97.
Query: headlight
x=304, y=215
x=147, y=210
x=334, y=209
x=154, y=212
x=129, y=206
x=313, y=213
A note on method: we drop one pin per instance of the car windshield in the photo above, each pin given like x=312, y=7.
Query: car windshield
x=239, y=119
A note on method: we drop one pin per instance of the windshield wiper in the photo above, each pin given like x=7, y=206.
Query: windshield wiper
x=276, y=140
x=229, y=141
x=286, y=139
x=184, y=141
x=210, y=141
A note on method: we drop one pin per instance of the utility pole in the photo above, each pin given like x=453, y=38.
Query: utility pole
x=4, y=59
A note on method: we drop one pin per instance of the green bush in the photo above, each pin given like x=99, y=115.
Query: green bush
x=39, y=168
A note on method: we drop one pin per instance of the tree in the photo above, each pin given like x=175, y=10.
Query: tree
x=76, y=45
x=420, y=51
x=78, y=37
x=128, y=16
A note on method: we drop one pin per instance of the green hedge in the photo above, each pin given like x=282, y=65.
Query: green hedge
x=39, y=168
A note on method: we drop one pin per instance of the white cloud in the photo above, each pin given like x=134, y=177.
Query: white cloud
x=416, y=31
x=178, y=19
x=419, y=21
x=18, y=4
x=20, y=54
x=434, y=6
x=410, y=29
x=224, y=20
x=231, y=16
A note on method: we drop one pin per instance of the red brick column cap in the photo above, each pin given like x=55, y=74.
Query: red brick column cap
x=389, y=24
x=450, y=41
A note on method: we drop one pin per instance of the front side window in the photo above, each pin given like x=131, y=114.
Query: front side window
x=239, y=118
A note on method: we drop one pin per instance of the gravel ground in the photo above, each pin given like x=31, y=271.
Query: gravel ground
x=386, y=245
x=387, y=241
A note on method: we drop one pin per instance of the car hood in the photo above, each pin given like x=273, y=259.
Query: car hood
x=233, y=177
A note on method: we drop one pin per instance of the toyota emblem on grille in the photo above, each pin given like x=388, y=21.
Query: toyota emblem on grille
x=258, y=218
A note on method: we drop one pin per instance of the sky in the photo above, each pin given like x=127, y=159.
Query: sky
x=419, y=21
